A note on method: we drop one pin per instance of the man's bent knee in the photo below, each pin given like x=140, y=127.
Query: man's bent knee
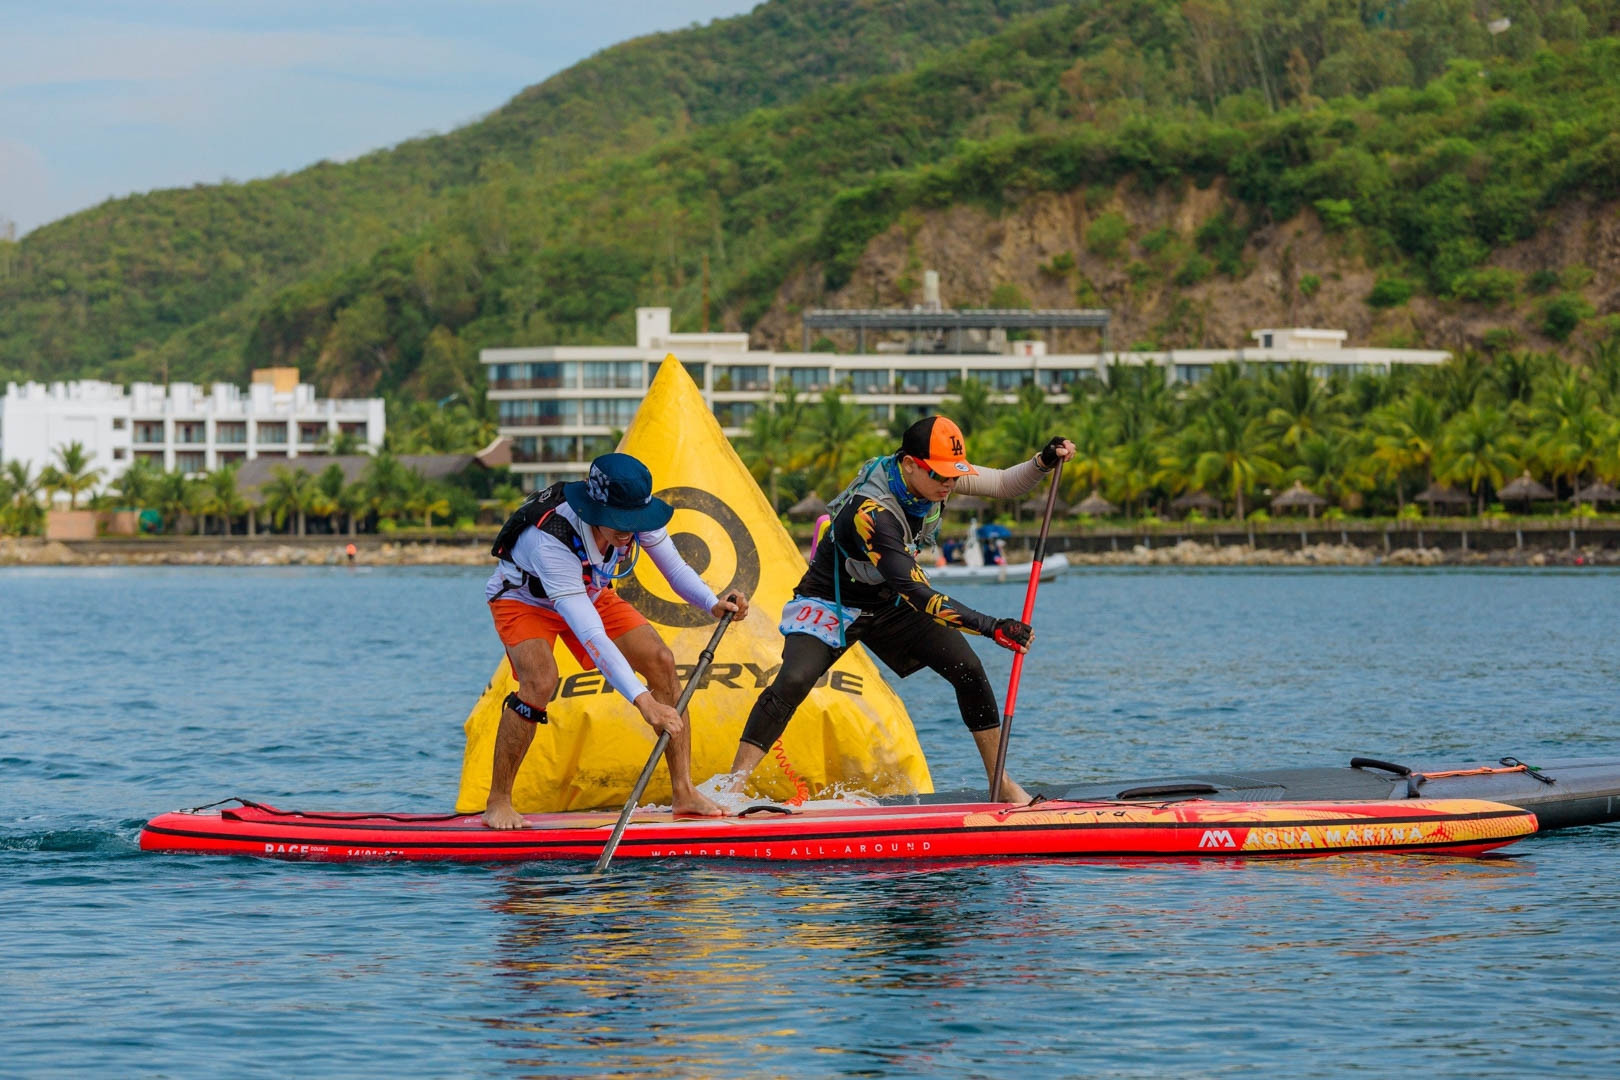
x=768, y=719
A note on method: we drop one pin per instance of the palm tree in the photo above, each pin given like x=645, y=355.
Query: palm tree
x=1569, y=428
x=1022, y=430
x=327, y=499
x=1513, y=375
x=7, y=491
x=171, y=497
x=137, y=485
x=1233, y=454
x=1408, y=433
x=769, y=447
x=1300, y=407
x=971, y=408
x=1135, y=464
x=1603, y=362
x=1093, y=444
x=223, y=497
x=1456, y=383
x=287, y=494
x=322, y=504
x=385, y=484
x=342, y=444
x=1326, y=464
x=22, y=502
x=199, y=499
x=75, y=476
x=1136, y=400
x=424, y=498
x=835, y=433
x=50, y=482
x=1477, y=448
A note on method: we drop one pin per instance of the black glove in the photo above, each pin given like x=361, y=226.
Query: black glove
x=1049, y=453
x=1014, y=635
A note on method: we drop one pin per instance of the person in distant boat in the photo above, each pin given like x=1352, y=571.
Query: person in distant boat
x=560, y=554
x=864, y=585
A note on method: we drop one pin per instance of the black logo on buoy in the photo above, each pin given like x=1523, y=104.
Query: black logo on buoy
x=695, y=550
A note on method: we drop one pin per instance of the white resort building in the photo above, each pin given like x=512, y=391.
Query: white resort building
x=180, y=427
x=563, y=405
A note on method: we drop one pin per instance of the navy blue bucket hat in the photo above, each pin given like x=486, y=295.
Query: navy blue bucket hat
x=617, y=494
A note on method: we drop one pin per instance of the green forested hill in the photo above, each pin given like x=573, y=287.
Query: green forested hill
x=783, y=142
x=176, y=279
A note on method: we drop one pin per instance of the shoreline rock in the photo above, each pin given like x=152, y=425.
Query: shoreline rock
x=30, y=551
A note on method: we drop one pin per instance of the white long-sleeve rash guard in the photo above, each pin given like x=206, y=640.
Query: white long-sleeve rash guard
x=558, y=568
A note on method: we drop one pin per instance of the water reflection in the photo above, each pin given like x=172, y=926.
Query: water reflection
x=681, y=968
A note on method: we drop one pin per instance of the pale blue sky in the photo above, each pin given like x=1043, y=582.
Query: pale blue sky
x=102, y=98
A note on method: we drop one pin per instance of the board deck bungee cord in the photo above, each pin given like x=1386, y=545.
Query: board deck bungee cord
x=1046, y=829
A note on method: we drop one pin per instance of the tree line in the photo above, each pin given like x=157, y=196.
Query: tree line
x=388, y=494
x=1369, y=443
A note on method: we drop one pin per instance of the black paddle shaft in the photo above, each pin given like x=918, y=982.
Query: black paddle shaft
x=705, y=658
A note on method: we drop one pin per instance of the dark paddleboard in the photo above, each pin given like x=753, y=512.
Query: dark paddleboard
x=1561, y=794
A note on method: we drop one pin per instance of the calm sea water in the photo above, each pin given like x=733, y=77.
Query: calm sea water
x=127, y=692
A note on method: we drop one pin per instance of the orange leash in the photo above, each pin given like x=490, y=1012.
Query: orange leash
x=801, y=790
x=1483, y=771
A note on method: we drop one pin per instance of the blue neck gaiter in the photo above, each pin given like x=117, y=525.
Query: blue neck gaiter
x=914, y=505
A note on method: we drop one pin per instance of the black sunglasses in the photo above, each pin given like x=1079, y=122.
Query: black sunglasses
x=932, y=475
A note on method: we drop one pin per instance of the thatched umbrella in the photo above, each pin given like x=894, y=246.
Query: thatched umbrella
x=1297, y=496
x=1597, y=491
x=1525, y=489
x=1035, y=506
x=968, y=504
x=1195, y=500
x=808, y=508
x=1095, y=505
x=1440, y=495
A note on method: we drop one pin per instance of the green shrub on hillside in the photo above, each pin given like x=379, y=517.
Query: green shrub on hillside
x=1388, y=292
x=1561, y=314
x=1106, y=236
x=1195, y=269
x=1488, y=285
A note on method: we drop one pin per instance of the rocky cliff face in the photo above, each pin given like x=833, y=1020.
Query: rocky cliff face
x=1058, y=251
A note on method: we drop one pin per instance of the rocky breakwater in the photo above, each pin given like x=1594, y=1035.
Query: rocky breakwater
x=1194, y=553
x=221, y=552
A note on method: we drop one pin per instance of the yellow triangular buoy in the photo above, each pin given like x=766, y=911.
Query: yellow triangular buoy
x=852, y=730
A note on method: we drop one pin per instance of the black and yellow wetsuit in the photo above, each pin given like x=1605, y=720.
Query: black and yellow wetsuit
x=903, y=620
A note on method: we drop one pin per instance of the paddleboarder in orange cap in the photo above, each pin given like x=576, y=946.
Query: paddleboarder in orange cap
x=864, y=585
x=560, y=554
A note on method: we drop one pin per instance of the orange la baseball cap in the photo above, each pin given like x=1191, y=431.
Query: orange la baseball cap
x=937, y=442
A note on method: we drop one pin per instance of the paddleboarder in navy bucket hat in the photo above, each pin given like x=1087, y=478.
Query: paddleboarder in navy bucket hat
x=617, y=494
x=560, y=554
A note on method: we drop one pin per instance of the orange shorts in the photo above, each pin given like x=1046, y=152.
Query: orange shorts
x=516, y=621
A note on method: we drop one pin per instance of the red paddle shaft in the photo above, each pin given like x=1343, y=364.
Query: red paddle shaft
x=1029, y=613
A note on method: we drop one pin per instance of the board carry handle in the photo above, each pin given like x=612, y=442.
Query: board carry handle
x=1374, y=763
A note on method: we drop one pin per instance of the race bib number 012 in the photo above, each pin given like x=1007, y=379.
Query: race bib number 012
x=809, y=615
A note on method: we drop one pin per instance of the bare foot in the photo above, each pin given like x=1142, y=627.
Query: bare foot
x=1012, y=793
x=696, y=804
x=502, y=816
